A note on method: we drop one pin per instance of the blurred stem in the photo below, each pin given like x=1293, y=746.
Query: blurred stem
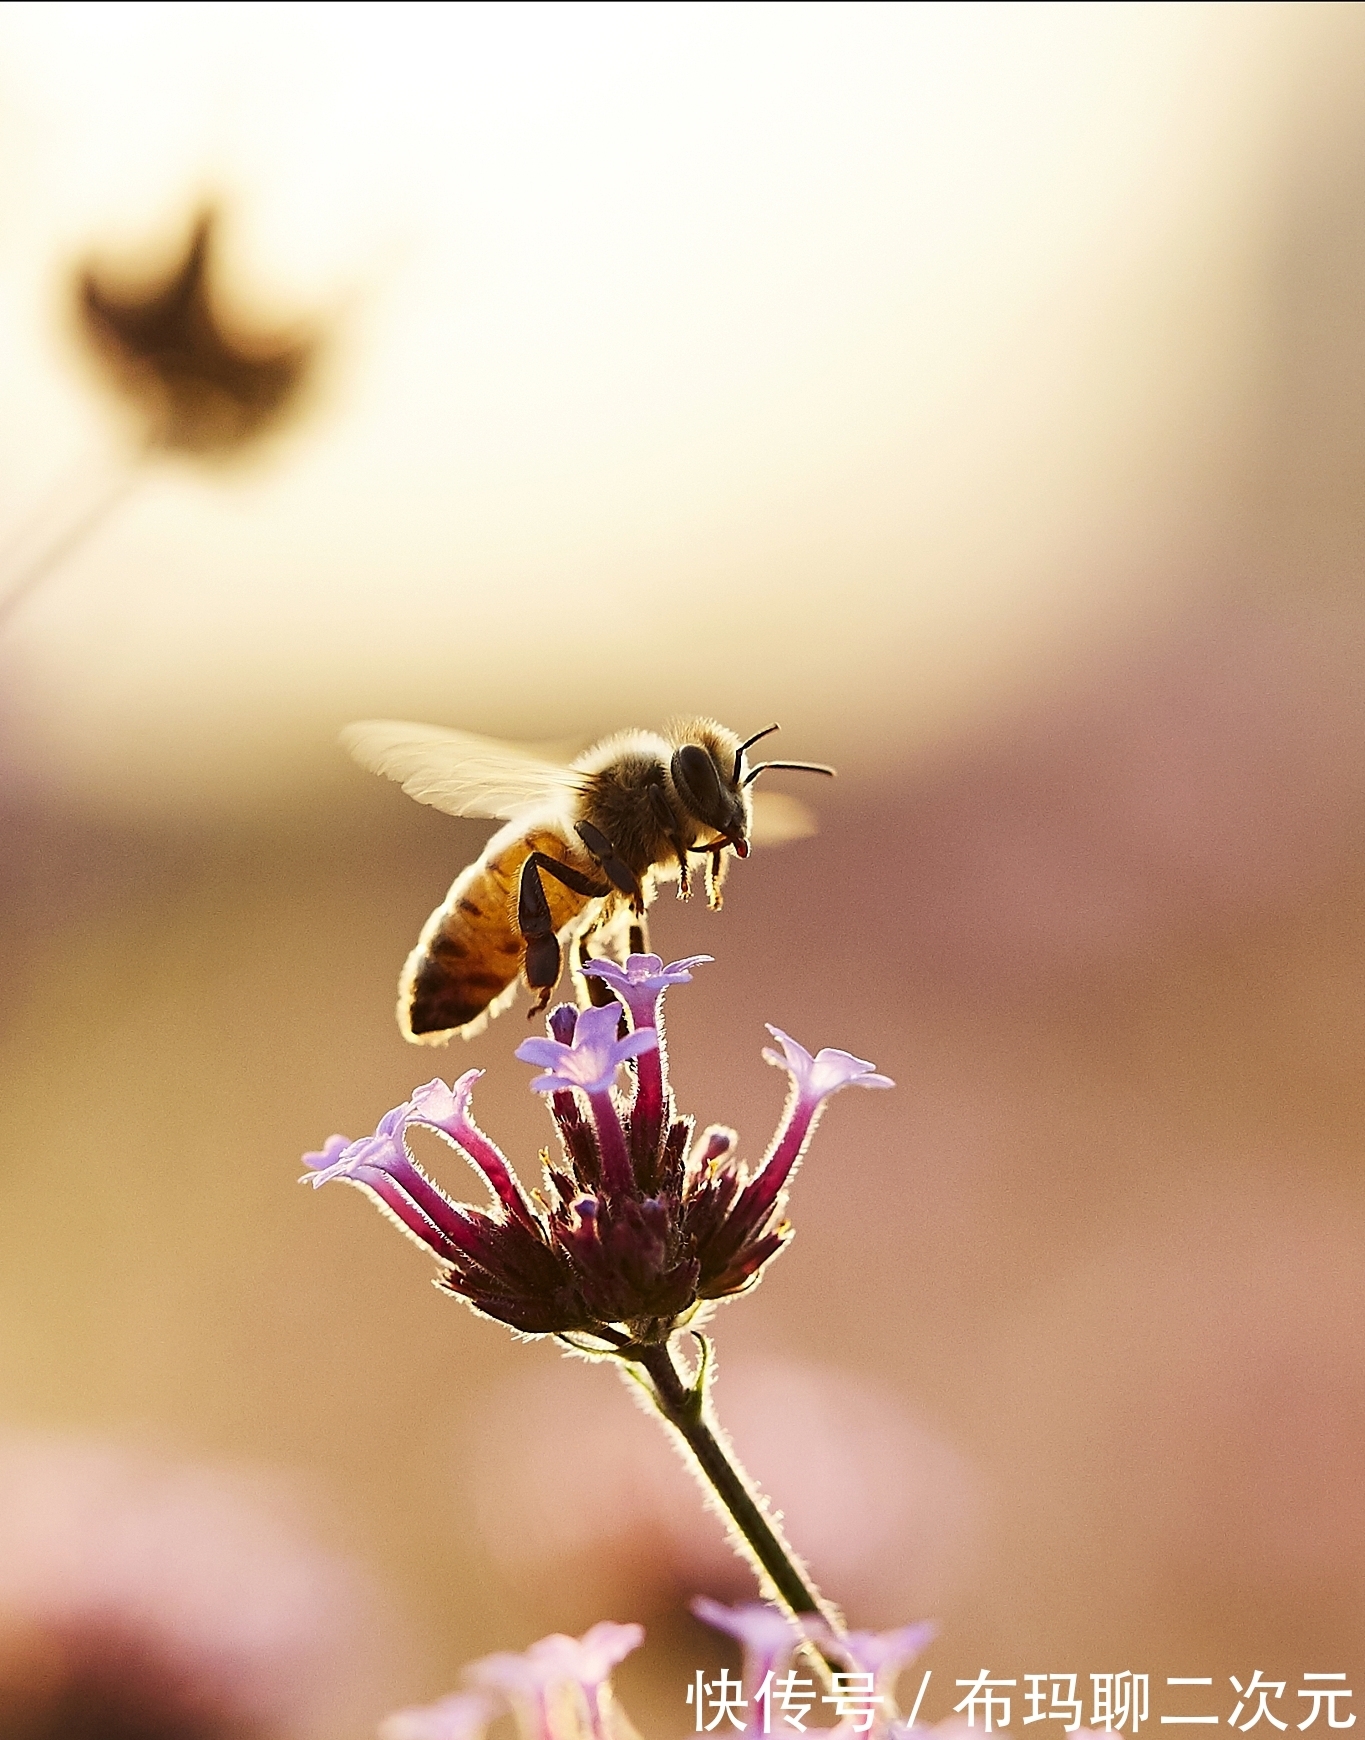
x=686, y=1406
x=82, y=504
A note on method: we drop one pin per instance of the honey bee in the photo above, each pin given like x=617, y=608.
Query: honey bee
x=582, y=853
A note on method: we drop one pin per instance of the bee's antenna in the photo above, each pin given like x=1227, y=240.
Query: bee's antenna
x=748, y=743
x=797, y=766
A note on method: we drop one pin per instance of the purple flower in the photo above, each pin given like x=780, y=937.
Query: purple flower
x=769, y=1636
x=560, y=1688
x=594, y=1057
x=883, y=1654
x=880, y=1653
x=641, y=983
x=444, y=1108
x=818, y=1077
x=814, y=1079
x=340, y=1158
x=590, y=1064
x=634, y=1225
x=383, y=1166
x=323, y=1162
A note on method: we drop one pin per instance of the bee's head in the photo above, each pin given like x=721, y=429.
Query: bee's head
x=711, y=780
x=711, y=792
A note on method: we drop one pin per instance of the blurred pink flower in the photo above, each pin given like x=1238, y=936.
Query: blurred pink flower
x=865, y=1701
x=558, y=1689
x=768, y=1636
x=140, y=1597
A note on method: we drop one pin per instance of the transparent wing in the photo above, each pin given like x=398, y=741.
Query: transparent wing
x=778, y=818
x=455, y=771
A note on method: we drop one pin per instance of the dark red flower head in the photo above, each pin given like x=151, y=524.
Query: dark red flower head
x=636, y=1223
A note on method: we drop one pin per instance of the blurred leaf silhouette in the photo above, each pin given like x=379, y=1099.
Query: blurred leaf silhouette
x=203, y=382
x=199, y=381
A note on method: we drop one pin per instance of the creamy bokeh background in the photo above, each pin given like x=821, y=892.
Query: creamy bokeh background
x=977, y=390
x=874, y=350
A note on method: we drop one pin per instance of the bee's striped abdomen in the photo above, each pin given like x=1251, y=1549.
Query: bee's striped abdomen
x=470, y=952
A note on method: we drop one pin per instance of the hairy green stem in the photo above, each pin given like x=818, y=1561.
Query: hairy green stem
x=687, y=1410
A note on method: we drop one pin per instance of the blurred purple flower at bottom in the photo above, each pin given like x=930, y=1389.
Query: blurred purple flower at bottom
x=767, y=1635
x=558, y=1689
x=882, y=1654
x=770, y=1638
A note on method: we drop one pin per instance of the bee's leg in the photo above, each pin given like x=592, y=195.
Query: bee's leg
x=715, y=875
x=618, y=873
x=536, y=921
x=639, y=936
x=664, y=817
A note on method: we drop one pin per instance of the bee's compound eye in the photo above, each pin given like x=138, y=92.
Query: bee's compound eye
x=694, y=774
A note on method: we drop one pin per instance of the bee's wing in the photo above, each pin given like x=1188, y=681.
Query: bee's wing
x=778, y=818
x=455, y=771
